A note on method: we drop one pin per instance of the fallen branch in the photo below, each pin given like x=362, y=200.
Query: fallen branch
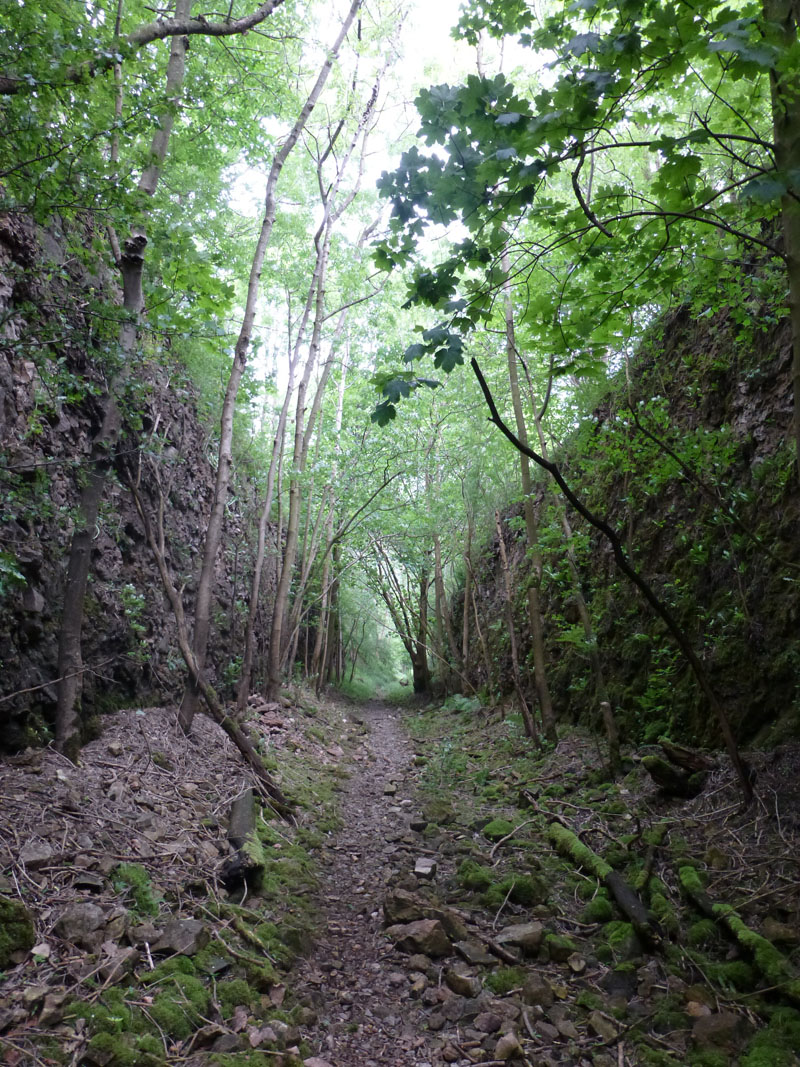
x=769, y=961
x=629, y=901
x=215, y=709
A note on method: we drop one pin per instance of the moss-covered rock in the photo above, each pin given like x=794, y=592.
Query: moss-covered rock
x=473, y=876
x=777, y=1044
x=525, y=889
x=504, y=979
x=178, y=1009
x=17, y=933
x=598, y=910
x=235, y=992
x=622, y=940
x=498, y=829
x=559, y=947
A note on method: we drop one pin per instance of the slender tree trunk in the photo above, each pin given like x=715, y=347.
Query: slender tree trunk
x=263, y=522
x=322, y=627
x=202, y=615
x=332, y=634
x=444, y=622
x=527, y=718
x=531, y=525
x=467, y=596
x=300, y=451
x=419, y=659
x=131, y=266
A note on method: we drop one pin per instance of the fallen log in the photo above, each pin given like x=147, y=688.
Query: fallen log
x=674, y=781
x=630, y=903
x=247, y=864
x=768, y=960
x=688, y=758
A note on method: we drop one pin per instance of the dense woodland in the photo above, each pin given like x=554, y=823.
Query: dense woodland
x=341, y=356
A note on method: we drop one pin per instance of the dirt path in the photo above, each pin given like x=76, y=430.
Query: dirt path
x=366, y=1017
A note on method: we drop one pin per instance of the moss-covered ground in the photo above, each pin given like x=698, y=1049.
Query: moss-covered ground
x=508, y=798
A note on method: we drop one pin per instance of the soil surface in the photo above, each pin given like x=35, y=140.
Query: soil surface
x=354, y=978
x=435, y=919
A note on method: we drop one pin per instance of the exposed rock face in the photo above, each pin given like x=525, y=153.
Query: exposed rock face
x=53, y=344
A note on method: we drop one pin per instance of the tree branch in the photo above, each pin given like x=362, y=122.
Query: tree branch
x=144, y=35
x=633, y=575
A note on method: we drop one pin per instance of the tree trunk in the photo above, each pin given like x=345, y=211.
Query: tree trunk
x=322, y=627
x=531, y=525
x=467, y=596
x=202, y=615
x=300, y=452
x=527, y=718
x=258, y=570
x=785, y=93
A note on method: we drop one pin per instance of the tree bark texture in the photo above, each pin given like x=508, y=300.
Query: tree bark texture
x=527, y=718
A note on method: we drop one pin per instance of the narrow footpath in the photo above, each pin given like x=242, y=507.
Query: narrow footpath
x=366, y=1017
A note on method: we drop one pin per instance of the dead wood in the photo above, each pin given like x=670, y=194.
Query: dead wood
x=688, y=758
x=247, y=864
x=628, y=900
x=768, y=960
x=672, y=780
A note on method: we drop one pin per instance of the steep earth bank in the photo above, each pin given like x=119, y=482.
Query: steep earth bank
x=57, y=345
x=689, y=458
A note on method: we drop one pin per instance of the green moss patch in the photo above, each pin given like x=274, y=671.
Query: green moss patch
x=233, y=993
x=133, y=880
x=472, y=876
x=504, y=979
x=777, y=1044
x=179, y=1009
x=599, y=910
x=16, y=929
x=703, y=933
x=125, y=1050
x=523, y=889
x=622, y=940
x=498, y=829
